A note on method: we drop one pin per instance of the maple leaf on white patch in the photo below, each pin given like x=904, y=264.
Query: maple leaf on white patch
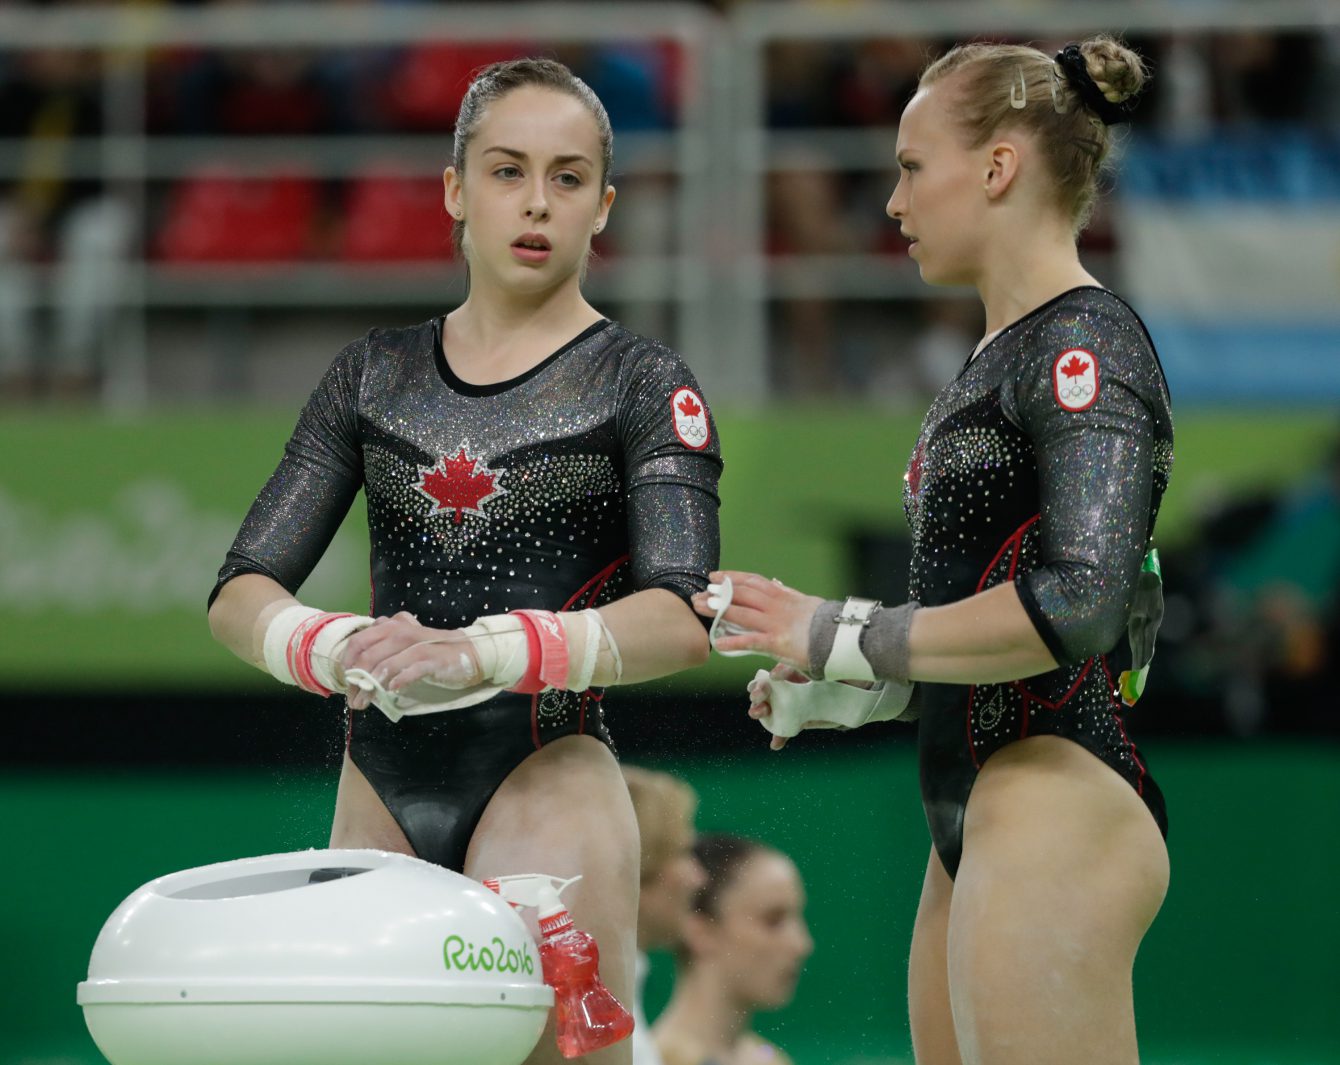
x=1076, y=367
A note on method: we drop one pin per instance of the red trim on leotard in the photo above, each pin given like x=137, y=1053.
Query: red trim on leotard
x=1121, y=727
x=594, y=586
x=1016, y=541
x=1029, y=696
x=599, y=580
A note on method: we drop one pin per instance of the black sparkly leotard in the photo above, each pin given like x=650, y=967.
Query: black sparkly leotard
x=589, y=477
x=1043, y=463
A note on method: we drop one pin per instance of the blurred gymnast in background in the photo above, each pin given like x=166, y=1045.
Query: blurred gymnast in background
x=671, y=876
x=1034, y=594
x=742, y=949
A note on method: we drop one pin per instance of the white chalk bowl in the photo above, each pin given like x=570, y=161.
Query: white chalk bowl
x=321, y=957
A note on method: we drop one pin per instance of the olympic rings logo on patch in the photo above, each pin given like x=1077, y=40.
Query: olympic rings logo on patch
x=1075, y=379
x=688, y=416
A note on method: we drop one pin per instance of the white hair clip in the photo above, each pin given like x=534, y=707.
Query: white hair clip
x=1059, y=103
x=1019, y=93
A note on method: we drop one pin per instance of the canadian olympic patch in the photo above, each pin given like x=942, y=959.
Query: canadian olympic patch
x=1075, y=379
x=689, y=417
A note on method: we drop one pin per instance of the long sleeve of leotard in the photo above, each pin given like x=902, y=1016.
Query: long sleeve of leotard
x=672, y=463
x=1094, y=429
x=297, y=513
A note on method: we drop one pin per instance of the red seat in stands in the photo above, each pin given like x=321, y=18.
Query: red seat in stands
x=427, y=87
x=389, y=218
x=217, y=216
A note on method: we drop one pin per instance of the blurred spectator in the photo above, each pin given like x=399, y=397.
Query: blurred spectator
x=804, y=214
x=1251, y=636
x=744, y=946
x=877, y=79
x=253, y=92
x=1281, y=593
x=631, y=77
x=949, y=330
x=641, y=89
x=56, y=226
x=671, y=875
x=1264, y=76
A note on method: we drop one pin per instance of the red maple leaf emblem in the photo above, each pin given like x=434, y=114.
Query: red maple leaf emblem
x=1076, y=367
x=460, y=484
x=689, y=408
x=913, y=475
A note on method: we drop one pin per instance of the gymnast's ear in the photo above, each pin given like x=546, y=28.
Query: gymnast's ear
x=700, y=936
x=1002, y=164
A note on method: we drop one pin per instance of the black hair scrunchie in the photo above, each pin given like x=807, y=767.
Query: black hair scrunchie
x=1076, y=69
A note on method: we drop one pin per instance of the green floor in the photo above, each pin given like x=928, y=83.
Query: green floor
x=1239, y=969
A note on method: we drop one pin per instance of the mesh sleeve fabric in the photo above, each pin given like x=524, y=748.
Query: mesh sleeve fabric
x=672, y=463
x=1095, y=458
x=297, y=513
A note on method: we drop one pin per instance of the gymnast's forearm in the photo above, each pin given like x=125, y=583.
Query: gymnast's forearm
x=657, y=634
x=987, y=638
x=242, y=611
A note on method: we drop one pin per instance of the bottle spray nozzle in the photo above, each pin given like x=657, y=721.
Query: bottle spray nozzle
x=536, y=890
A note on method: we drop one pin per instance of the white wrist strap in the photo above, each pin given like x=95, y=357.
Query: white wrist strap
x=601, y=662
x=303, y=646
x=845, y=660
x=831, y=704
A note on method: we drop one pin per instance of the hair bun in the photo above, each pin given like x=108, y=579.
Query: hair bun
x=1118, y=72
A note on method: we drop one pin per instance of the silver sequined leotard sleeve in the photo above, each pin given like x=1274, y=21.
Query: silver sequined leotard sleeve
x=299, y=510
x=1089, y=394
x=673, y=462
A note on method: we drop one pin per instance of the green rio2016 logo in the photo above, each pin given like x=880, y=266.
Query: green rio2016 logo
x=494, y=957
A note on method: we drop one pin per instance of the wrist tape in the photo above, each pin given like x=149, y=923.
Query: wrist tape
x=303, y=646
x=529, y=651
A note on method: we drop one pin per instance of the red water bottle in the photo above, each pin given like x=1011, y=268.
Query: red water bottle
x=587, y=1015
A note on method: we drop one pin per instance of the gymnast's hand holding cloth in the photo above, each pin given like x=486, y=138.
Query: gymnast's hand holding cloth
x=856, y=653
x=405, y=668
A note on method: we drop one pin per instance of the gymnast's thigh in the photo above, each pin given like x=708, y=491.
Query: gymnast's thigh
x=361, y=818
x=565, y=810
x=932, y=1019
x=1063, y=871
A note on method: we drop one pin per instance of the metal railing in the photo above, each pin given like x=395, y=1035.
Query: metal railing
x=760, y=151
x=719, y=280
x=129, y=158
